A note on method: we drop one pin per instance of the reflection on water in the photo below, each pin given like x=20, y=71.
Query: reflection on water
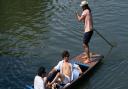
x=34, y=33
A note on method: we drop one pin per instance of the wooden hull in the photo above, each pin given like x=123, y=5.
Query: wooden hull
x=96, y=58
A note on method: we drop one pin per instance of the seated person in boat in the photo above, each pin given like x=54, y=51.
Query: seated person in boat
x=40, y=79
x=64, y=68
x=63, y=71
x=76, y=71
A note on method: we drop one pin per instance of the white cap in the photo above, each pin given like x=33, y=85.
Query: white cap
x=83, y=3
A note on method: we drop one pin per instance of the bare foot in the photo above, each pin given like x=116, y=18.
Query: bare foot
x=84, y=57
x=49, y=85
x=87, y=61
x=54, y=86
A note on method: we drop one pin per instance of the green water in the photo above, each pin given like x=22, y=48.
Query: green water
x=35, y=32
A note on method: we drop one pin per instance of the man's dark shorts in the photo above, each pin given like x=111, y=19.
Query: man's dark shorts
x=87, y=37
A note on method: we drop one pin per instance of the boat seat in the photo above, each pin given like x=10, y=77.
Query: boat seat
x=83, y=67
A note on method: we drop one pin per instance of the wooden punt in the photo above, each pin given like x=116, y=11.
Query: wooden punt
x=86, y=68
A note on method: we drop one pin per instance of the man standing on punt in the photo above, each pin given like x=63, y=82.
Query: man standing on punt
x=86, y=17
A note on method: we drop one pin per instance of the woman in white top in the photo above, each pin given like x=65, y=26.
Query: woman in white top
x=40, y=79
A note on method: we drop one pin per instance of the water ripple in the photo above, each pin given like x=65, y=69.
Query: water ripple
x=35, y=32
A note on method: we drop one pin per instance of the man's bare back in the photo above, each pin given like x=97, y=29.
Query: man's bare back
x=66, y=69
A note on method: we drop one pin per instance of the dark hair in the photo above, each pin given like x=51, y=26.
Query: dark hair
x=86, y=7
x=65, y=54
x=41, y=71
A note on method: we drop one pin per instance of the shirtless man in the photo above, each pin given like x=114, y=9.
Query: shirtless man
x=86, y=17
x=65, y=69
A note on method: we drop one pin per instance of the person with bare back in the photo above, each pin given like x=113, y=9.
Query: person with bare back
x=63, y=71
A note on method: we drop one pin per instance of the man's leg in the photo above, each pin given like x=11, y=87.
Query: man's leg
x=87, y=51
x=58, y=75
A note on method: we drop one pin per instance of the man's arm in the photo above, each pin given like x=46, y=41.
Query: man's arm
x=52, y=71
x=56, y=68
x=79, y=18
x=79, y=69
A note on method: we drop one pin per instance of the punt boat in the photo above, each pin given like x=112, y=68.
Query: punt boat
x=86, y=69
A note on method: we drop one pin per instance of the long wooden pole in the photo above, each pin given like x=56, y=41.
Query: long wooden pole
x=104, y=38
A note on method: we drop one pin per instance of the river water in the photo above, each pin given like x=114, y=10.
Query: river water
x=35, y=32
